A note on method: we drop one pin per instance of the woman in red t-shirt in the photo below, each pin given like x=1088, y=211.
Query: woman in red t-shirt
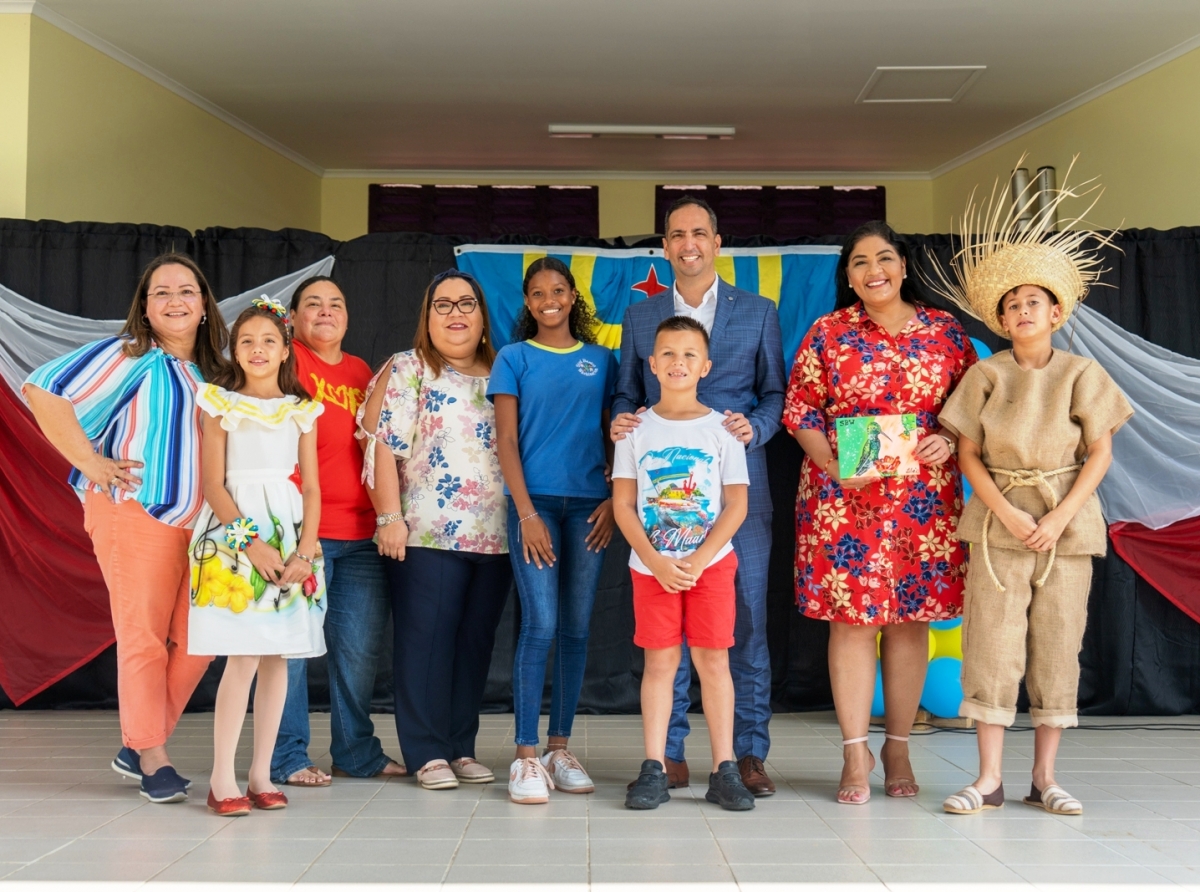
x=358, y=597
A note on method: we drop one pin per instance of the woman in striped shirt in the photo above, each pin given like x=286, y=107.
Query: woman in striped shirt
x=122, y=410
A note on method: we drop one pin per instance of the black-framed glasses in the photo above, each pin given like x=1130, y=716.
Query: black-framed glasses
x=444, y=306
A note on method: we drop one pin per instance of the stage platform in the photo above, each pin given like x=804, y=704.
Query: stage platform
x=65, y=816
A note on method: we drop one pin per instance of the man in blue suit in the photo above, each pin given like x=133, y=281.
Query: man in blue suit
x=747, y=384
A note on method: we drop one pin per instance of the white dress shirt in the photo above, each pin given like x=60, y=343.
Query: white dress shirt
x=706, y=312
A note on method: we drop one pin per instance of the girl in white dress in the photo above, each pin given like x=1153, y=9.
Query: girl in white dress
x=258, y=590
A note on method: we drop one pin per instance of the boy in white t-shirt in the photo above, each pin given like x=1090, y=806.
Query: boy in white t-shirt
x=679, y=494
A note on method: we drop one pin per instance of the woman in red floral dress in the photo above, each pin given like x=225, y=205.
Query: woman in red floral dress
x=879, y=555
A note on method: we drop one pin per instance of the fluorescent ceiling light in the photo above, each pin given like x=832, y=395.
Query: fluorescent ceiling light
x=635, y=131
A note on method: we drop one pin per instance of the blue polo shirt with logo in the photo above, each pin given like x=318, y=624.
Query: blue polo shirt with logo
x=561, y=394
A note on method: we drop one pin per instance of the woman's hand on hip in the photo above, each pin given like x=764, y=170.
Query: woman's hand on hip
x=113, y=473
x=536, y=544
x=266, y=560
x=602, y=530
x=932, y=450
x=392, y=539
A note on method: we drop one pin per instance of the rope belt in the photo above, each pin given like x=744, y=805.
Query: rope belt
x=1039, y=479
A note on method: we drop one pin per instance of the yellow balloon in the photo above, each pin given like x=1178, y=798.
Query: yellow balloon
x=946, y=642
x=933, y=644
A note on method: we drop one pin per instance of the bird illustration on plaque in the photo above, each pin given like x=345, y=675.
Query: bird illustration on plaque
x=874, y=446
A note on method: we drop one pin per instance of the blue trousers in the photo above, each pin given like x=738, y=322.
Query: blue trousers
x=355, y=622
x=749, y=659
x=445, y=609
x=556, y=608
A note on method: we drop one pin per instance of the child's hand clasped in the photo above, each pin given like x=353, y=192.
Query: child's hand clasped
x=673, y=574
x=1048, y=531
x=266, y=561
x=295, y=571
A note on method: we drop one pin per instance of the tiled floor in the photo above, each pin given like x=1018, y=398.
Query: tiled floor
x=64, y=815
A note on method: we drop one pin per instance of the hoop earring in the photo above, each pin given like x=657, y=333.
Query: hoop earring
x=146, y=320
x=203, y=319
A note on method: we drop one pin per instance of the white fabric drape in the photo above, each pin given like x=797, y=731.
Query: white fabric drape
x=32, y=335
x=1155, y=477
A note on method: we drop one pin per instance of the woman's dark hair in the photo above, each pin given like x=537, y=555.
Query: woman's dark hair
x=211, y=337
x=423, y=343
x=846, y=297
x=1000, y=303
x=582, y=320
x=289, y=380
x=303, y=286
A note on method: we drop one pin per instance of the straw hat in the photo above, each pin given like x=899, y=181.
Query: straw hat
x=999, y=253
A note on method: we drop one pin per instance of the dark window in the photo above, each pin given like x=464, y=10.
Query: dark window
x=782, y=212
x=485, y=211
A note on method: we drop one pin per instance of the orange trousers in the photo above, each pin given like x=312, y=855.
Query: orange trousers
x=145, y=566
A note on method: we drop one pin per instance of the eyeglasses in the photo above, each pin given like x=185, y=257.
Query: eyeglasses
x=182, y=294
x=444, y=307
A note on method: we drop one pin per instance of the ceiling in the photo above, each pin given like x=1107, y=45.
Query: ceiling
x=473, y=84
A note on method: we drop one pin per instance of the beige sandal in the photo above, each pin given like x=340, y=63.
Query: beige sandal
x=889, y=784
x=969, y=801
x=846, y=788
x=1053, y=799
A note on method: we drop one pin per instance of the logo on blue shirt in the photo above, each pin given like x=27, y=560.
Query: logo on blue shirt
x=587, y=367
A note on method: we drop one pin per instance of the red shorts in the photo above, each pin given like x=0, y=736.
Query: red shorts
x=705, y=612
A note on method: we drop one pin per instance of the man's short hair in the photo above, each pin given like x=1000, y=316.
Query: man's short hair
x=685, y=201
x=681, y=323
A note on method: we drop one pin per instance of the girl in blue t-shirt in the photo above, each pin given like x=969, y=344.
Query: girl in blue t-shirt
x=551, y=388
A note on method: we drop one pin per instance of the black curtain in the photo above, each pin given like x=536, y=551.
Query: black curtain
x=1141, y=655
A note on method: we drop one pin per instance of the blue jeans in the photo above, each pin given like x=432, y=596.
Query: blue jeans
x=355, y=623
x=556, y=608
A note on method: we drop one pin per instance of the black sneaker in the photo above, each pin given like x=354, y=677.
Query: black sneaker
x=650, y=789
x=725, y=788
x=165, y=785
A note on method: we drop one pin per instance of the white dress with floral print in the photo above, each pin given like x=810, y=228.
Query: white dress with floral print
x=443, y=432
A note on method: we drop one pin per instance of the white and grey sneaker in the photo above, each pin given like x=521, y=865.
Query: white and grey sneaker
x=567, y=773
x=528, y=782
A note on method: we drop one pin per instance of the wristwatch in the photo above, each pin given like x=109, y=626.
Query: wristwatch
x=382, y=520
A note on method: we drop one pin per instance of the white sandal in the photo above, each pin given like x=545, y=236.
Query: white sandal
x=969, y=801
x=1053, y=799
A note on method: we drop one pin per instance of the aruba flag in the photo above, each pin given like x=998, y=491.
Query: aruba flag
x=799, y=278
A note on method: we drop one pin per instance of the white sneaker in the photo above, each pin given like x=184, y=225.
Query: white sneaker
x=528, y=782
x=567, y=773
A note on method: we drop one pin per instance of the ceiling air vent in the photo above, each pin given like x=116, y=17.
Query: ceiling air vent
x=919, y=83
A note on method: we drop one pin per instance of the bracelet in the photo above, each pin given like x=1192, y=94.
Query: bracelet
x=950, y=443
x=825, y=467
x=521, y=520
x=304, y=558
x=239, y=533
x=383, y=520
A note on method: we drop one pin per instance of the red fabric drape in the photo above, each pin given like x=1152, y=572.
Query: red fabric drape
x=53, y=600
x=1169, y=559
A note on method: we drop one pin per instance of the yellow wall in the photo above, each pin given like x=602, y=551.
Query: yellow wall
x=107, y=144
x=1142, y=139
x=14, y=112
x=626, y=206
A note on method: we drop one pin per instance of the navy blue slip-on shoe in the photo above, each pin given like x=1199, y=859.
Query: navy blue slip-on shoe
x=165, y=785
x=128, y=763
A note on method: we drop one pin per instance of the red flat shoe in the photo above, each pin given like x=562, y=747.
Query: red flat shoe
x=267, y=801
x=229, y=808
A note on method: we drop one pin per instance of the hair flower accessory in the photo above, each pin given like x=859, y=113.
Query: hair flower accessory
x=240, y=533
x=274, y=307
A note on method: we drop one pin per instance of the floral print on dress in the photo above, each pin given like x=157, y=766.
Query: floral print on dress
x=443, y=431
x=885, y=553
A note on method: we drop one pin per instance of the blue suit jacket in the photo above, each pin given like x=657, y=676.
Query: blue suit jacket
x=747, y=373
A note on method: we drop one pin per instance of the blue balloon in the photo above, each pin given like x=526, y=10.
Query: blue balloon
x=981, y=348
x=877, y=707
x=943, y=624
x=943, y=691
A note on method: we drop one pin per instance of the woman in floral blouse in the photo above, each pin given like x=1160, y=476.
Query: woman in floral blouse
x=442, y=525
x=880, y=555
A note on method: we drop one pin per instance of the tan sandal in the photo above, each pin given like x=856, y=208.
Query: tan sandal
x=847, y=788
x=969, y=801
x=890, y=784
x=1053, y=799
x=312, y=776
